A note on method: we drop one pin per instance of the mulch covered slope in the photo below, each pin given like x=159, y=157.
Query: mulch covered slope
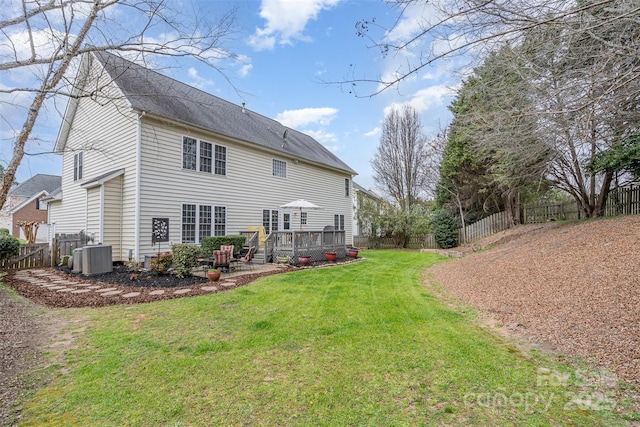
x=574, y=287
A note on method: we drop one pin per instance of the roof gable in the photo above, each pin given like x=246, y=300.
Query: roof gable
x=162, y=96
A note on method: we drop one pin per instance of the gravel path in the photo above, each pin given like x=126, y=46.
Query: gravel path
x=574, y=287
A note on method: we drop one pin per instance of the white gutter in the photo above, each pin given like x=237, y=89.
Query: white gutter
x=136, y=250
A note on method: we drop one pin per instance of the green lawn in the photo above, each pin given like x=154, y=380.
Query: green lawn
x=359, y=344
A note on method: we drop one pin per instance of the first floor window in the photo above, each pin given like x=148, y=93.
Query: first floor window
x=286, y=221
x=204, y=223
x=188, y=223
x=269, y=220
x=338, y=222
x=220, y=226
x=303, y=218
x=77, y=166
x=200, y=221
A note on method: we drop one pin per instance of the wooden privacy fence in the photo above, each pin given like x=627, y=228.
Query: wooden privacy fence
x=485, y=227
x=64, y=244
x=539, y=213
x=623, y=201
x=32, y=255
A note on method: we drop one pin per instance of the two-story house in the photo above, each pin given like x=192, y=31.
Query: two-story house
x=139, y=146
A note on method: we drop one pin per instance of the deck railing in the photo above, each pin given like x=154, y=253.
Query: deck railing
x=311, y=243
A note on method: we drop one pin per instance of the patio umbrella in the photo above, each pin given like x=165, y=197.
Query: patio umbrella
x=301, y=205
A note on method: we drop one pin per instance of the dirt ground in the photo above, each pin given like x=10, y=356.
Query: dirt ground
x=25, y=332
x=573, y=288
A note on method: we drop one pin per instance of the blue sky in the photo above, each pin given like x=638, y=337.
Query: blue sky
x=285, y=50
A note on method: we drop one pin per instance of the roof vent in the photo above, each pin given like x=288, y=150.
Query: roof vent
x=243, y=110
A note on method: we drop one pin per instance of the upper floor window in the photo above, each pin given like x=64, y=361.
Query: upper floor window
x=347, y=187
x=77, y=166
x=221, y=160
x=203, y=156
x=279, y=168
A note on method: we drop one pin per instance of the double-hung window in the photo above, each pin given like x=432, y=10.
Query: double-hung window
x=200, y=221
x=203, y=156
x=77, y=166
x=338, y=222
x=220, y=225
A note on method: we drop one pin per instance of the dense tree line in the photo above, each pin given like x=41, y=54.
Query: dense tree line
x=552, y=106
x=557, y=107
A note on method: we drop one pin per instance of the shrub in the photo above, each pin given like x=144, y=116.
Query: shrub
x=185, y=257
x=162, y=263
x=4, y=231
x=445, y=228
x=210, y=244
x=9, y=247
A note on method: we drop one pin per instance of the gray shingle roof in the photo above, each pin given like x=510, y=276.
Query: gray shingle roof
x=162, y=96
x=36, y=184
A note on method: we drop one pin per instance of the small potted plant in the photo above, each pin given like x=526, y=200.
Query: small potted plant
x=353, y=252
x=304, y=259
x=330, y=256
x=213, y=274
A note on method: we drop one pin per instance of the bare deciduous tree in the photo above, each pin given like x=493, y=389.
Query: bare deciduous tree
x=401, y=164
x=42, y=39
x=436, y=30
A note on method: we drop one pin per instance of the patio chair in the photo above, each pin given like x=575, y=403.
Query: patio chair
x=221, y=260
x=248, y=258
x=228, y=248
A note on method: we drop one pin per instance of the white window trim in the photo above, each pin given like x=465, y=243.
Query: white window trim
x=213, y=156
x=273, y=168
x=213, y=219
x=197, y=237
x=78, y=166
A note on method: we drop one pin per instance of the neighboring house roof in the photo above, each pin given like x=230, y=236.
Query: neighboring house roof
x=158, y=95
x=36, y=184
x=369, y=193
x=53, y=196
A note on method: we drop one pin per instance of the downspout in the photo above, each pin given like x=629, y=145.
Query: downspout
x=101, y=212
x=137, y=200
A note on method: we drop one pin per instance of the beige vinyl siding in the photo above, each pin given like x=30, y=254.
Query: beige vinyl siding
x=112, y=219
x=247, y=189
x=93, y=222
x=105, y=130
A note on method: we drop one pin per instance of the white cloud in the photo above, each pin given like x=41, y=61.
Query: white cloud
x=198, y=81
x=425, y=99
x=373, y=132
x=415, y=18
x=245, y=69
x=328, y=139
x=305, y=116
x=286, y=21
